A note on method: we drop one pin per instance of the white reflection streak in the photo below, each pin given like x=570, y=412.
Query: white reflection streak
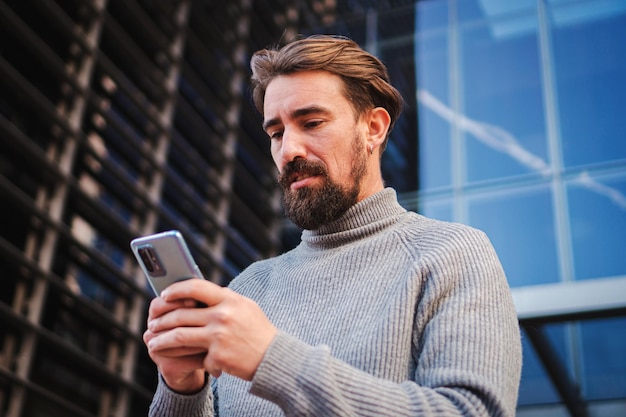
x=492, y=136
x=503, y=141
x=612, y=194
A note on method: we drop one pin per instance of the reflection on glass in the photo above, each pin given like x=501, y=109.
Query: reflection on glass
x=493, y=137
x=498, y=12
x=501, y=87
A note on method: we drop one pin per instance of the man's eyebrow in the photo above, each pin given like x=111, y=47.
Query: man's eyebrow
x=271, y=122
x=304, y=111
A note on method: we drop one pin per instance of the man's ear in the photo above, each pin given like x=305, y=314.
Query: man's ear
x=378, y=121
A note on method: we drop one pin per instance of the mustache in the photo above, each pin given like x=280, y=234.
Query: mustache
x=299, y=167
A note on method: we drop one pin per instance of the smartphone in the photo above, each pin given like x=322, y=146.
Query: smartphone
x=165, y=259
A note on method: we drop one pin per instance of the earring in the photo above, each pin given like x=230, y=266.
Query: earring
x=371, y=147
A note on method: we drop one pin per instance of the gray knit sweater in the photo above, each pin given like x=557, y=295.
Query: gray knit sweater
x=382, y=313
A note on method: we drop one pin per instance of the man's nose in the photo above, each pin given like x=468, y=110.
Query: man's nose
x=293, y=146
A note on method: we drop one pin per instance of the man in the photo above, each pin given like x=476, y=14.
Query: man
x=378, y=311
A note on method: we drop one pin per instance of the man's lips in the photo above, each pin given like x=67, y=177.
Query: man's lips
x=299, y=181
x=300, y=173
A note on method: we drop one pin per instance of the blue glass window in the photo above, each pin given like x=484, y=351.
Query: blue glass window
x=502, y=99
x=431, y=15
x=432, y=94
x=536, y=387
x=440, y=209
x=521, y=227
x=471, y=10
x=598, y=225
x=590, y=68
x=522, y=120
x=603, y=357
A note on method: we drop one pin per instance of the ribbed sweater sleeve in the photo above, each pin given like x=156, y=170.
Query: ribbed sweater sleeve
x=167, y=403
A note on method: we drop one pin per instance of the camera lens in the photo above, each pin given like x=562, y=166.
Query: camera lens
x=151, y=261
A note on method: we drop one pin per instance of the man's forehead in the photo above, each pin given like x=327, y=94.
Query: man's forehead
x=303, y=92
x=303, y=84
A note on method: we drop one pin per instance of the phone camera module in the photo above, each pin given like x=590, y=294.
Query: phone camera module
x=151, y=261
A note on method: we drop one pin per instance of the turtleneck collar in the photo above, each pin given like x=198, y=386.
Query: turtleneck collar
x=360, y=221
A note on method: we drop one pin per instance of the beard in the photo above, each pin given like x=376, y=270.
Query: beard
x=312, y=207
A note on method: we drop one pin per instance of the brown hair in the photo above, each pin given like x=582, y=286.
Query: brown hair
x=365, y=77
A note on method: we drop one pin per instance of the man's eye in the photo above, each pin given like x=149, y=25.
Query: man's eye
x=276, y=135
x=312, y=124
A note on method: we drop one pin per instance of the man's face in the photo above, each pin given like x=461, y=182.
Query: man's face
x=317, y=145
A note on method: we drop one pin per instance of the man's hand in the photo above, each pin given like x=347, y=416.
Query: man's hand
x=230, y=334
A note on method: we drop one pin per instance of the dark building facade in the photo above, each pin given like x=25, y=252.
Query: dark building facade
x=122, y=118
x=118, y=119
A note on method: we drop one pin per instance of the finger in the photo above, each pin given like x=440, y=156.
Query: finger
x=147, y=336
x=181, y=317
x=180, y=352
x=179, y=337
x=160, y=306
x=200, y=290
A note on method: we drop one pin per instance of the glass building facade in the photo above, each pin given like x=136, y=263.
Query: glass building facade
x=522, y=128
x=121, y=118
